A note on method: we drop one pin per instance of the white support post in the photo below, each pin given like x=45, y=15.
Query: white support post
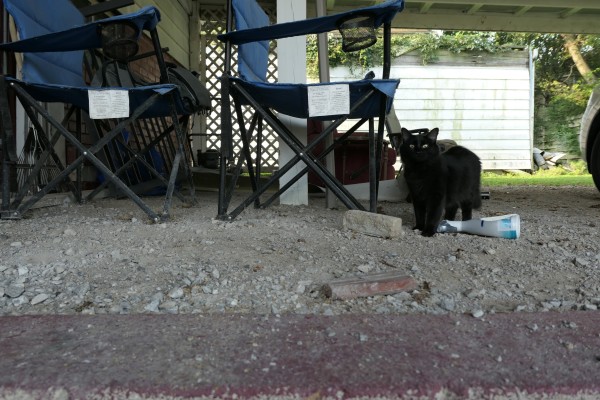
x=324, y=76
x=291, y=67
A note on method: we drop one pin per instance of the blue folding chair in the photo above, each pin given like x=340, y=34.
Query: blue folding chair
x=52, y=36
x=367, y=99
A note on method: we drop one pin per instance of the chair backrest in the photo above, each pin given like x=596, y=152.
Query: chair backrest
x=356, y=26
x=39, y=17
x=253, y=58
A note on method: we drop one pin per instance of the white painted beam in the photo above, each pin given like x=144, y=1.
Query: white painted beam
x=570, y=12
x=425, y=7
x=531, y=22
x=523, y=10
x=474, y=8
x=590, y=4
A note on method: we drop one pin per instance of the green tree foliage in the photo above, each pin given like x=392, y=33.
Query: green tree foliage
x=561, y=92
x=427, y=44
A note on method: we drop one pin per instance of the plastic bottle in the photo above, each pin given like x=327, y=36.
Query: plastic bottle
x=504, y=226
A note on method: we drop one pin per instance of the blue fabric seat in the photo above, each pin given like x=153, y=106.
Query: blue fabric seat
x=368, y=99
x=52, y=72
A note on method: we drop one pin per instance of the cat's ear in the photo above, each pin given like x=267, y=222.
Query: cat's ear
x=433, y=134
x=405, y=134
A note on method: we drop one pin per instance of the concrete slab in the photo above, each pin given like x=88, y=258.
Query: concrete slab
x=517, y=355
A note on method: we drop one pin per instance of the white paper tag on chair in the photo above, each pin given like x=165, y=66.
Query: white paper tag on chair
x=326, y=100
x=108, y=104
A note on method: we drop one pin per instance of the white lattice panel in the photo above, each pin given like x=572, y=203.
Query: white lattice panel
x=213, y=57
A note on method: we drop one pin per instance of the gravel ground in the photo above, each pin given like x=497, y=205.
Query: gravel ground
x=104, y=257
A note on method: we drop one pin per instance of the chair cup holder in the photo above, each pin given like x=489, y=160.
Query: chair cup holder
x=357, y=32
x=119, y=40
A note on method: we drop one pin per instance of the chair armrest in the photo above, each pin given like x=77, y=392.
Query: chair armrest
x=382, y=13
x=84, y=37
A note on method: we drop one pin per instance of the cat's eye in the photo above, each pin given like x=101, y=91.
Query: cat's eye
x=425, y=146
x=412, y=146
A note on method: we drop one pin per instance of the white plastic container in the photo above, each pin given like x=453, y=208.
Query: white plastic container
x=504, y=226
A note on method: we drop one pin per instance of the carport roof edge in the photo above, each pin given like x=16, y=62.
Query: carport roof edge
x=544, y=16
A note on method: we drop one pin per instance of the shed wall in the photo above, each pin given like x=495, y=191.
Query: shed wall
x=482, y=102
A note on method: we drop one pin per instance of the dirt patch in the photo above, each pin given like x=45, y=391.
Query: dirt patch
x=105, y=257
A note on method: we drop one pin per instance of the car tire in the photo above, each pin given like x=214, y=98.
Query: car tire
x=594, y=162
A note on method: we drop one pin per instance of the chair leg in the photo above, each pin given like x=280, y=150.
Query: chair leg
x=187, y=162
x=321, y=156
x=179, y=158
x=49, y=151
x=139, y=157
x=302, y=153
x=223, y=201
x=226, y=190
x=379, y=154
x=171, y=186
x=245, y=135
x=226, y=151
x=86, y=153
x=9, y=157
x=78, y=185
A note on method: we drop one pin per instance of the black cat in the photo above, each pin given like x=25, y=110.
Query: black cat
x=439, y=182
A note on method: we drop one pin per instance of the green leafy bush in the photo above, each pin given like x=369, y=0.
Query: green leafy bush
x=427, y=44
x=558, y=121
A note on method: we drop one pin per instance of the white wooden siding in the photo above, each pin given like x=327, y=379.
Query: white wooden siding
x=483, y=105
x=173, y=29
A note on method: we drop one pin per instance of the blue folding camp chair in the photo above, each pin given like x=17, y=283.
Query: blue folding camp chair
x=52, y=36
x=366, y=99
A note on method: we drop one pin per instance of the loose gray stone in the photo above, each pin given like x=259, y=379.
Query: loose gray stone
x=19, y=301
x=448, y=304
x=169, y=306
x=82, y=289
x=176, y=293
x=40, y=298
x=365, y=268
x=581, y=262
x=14, y=290
x=117, y=256
x=152, y=306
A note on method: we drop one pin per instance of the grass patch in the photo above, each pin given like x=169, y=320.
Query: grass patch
x=575, y=175
x=543, y=180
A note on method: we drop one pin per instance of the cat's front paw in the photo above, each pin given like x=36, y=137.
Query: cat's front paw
x=428, y=232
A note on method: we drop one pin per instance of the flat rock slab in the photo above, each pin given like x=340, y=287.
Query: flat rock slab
x=518, y=355
x=373, y=224
x=382, y=283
